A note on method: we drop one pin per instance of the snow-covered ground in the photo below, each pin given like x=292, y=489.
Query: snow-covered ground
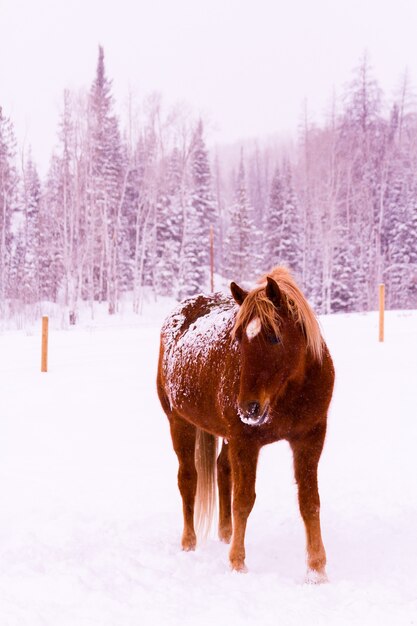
x=91, y=519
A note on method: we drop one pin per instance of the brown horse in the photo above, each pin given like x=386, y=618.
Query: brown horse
x=252, y=374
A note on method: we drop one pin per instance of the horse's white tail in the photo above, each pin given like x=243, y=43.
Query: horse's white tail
x=206, y=466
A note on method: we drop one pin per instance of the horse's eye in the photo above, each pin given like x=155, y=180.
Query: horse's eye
x=273, y=339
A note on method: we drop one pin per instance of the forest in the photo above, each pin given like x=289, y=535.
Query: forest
x=127, y=205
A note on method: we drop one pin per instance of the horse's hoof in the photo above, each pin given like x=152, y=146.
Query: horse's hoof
x=239, y=567
x=189, y=543
x=188, y=548
x=225, y=536
x=313, y=577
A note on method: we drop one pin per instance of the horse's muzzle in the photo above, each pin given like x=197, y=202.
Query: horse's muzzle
x=253, y=414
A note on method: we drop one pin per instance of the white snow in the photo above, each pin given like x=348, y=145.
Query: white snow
x=91, y=518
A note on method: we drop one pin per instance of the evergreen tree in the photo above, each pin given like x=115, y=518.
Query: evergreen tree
x=199, y=215
x=411, y=248
x=257, y=180
x=51, y=253
x=400, y=238
x=69, y=210
x=131, y=225
x=239, y=250
x=170, y=226
x=342, y=295
x=193, y=272
x=29, y=284
x=361, y=148
x=201, y=192
x=282, y=227
x=111, y=218
x=105, y=189
x=64, y=229
x=8, y=205
x=273, y=222
x=290, y=245
x=219, y=233
x=146, y=222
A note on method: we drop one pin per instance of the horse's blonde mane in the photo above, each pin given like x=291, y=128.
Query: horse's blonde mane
x=257, y=304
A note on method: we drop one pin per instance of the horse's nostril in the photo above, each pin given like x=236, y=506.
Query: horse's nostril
x=253, y=408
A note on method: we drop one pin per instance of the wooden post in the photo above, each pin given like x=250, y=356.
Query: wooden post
x=211, y=259
x=44, y=361
x=381, y=311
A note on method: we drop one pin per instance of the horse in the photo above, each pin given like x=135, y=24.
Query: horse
x=251, y=368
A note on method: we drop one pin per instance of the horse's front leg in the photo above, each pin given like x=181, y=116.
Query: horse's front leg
x=307, y=453
x=243, y=458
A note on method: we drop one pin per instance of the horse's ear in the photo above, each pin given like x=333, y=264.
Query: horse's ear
x=273, y=292
x=238, y=293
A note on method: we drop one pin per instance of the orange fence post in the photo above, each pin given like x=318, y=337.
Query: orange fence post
x=381, y=311
x=44, y=360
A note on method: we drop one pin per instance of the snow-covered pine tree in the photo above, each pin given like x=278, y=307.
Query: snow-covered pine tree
x=170, y=225
x=105, y=189
x=51, y=265
x=147, y=186
x=239, y=245
x=31, y=200
x=193, y=272
x=219, y=234
x=199, y=215
x=290, y=244
x=400, y=237
x=410, y=245
x=399, y=225
x=62, y=216
x=71, y=211
x=257, y=183
x=282, y=226
x=342, y=294
x=310, y=182
x=360, y=136
x=8, y=203
x=131, y=225
x=201, y=191
x=273, y=222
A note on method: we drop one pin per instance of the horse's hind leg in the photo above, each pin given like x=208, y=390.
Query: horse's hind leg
x=183, y=438
x=307, y=453
x=224, y=479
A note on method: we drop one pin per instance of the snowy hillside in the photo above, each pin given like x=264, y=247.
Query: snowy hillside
x=91, y=517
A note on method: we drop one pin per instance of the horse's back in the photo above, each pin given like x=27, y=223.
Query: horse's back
x=195, y=317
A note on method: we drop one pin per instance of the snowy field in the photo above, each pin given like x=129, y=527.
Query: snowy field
x=91, y=517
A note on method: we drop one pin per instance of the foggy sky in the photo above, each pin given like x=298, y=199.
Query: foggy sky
x=245, y=65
